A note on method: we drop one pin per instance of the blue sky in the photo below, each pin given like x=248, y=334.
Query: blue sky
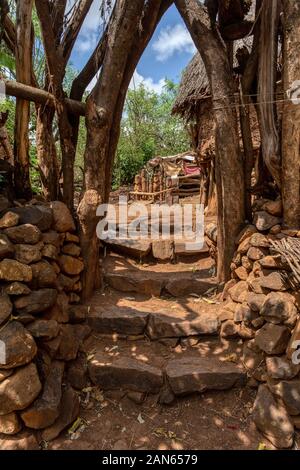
x=168, y=53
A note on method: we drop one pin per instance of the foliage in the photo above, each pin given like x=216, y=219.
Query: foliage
x=148, y=129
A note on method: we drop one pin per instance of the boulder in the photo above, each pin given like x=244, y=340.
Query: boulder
x=247, y=263
x=20, y=389
x=243, y=313
x=264, y=221
x=70, y=266
x=259, y=240
x=44, y=329
x=27, y=254
x=245, y=233
x=71, y=249
x=5, y=307
x=67, y=283
x=60, y=310
x=273, y=207
x=124, y=372
x=274, y=281
x=45, y=410
x=281, y=368
x=244, y=246
x=198, y=374
x=256, y=301
x=289, y=392
x=238, y=290
x=17, y=288
x=255, y=253
x=12, y=270
x=117, y=320
x=25, y=234
x=278, y=308
x=69, y=412
x=7, y=249
x=133, y=283
x=162, y=249
x=62, y=217
x=20, y=347
x=273, y=262
x=10, y=424
x=241, y=273
x=43, y=274
x=39, y=215
x=272, y=419
x=293, y=351
x=72, y=238
x=50, y=251
x=10, y=219
x=52, y=238
x=36, y=302
x=273, y=339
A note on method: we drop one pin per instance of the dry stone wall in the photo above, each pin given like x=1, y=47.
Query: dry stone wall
x=41, y=324
x=263, y=310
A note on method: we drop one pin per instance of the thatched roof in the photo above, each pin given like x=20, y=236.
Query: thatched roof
x=193, y=90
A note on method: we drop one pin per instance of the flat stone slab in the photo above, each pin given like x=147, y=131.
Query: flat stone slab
x=181, y=286
x=126, y=373
x=196, y=374
x=124, y=321
x=135, y=283
x=162, y=325
x=130, y=247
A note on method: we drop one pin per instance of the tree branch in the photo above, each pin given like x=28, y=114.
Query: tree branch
x=73, y=28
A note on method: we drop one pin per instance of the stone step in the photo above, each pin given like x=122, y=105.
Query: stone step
x=128, y=321
x=117, y=367
x=143, y=282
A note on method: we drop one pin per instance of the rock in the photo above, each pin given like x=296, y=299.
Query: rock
x=45, y=410
x=27, y=254
x=162, y=249
x=74, y=298
x=190, y=375
x=272, y=339
x=11, y=270
x=180, y=249
x=273, y=207
x=70, y=265
x=25, y=318
x=278, y=308
x=7, y=249
x=77, y=373
x=134, y=248
x=62, y=218
x=274, y=281
x=20, y=347
x=211, y=231
x=258, y=322
x=281, y=368
x=4, y=373
x=124, y=372
x=52, y=238
x=256, y=301
x=67, y=283
x=254, y=362
x=70, y=237
x=289, y=392
x=69, y=412
x=25, y=234
x=39, y=215
x=246, y=332
x=52, y=346
x=189, y=342
x=166, y=396
x=124, y=283
x=238, y=290
x=258, y=240
x=243, y=313
x=271, y=418
x=275, y=230
x=71, y=249
x=10, y=219
x=60, y=310
x=229, y=329
x=255, y=285
x=264, y=221
x=273, y=262
x=136, y=397
x=244, y=246
x=44, y=329
x=245, y=233
x=162, y=325
x=180, y=287
x=255, y=253
x=5, y=307
x=24, y=441
x=69, y=344
x=294, y=343
x=36, y=302
x=247, y=263
x=17, y=288
x=78, y=313
x=44, y=275
x=10, y=424
x=241, y=273
x=229, y=284
x=116, y=320
x=4, y=203
x=20, y=389
x=296, y=421
x=50, y=251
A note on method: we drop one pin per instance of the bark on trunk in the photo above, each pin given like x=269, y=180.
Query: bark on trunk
x=46, y=153
x=23, y=54
x=229, y=164
x=291, y=116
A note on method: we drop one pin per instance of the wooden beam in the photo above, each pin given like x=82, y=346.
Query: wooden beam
x=29, y=93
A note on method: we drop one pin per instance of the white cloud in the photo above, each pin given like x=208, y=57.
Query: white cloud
x=148, y=82
x=172, y=40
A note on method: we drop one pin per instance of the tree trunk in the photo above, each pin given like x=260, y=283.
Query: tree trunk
x=229, y=164
x=23, y=54
x=46, y=153
x=291, y=116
